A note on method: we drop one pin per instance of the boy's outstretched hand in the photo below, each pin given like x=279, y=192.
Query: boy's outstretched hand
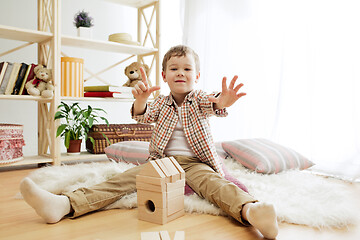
x=228, y=95
x=142, y=90
x=141, y=93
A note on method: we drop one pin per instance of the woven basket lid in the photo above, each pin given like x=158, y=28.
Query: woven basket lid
x=10, y=126
x=122, y=38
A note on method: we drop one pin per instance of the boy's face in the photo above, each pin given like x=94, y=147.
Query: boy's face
x=180, y=74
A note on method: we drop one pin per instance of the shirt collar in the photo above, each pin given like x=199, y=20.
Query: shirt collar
x=190, y=97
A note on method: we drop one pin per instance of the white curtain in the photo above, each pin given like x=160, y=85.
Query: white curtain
x=300, y=63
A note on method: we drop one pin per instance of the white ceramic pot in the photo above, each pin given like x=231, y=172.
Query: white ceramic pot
x=84, y=32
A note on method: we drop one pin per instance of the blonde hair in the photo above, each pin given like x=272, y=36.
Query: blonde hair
x=180, y=51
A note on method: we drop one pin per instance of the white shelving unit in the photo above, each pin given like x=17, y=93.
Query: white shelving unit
x=49, y=42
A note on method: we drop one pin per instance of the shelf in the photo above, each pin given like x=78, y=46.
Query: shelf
x=25, y=97
x=98, y=99
x=82, y=156
x=105, y=45
x=28, y=161
x=41, y=99
x=22, y=34
x=133, y=3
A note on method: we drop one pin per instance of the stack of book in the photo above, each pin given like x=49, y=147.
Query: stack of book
x=108, y=91
x=14, y=76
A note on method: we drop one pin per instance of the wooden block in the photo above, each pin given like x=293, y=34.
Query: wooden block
x=159, y=216
x=175, y=185
x=163, y=168
x=158, y=198
x=178, y=167
x=164, y=235
x=151, y=169
x=150, y=187
x=175, y=193
x=179, y=235
x=175, y=174
x=150, y=236
x=151, y=180
x=175, y=215
x=174, y=205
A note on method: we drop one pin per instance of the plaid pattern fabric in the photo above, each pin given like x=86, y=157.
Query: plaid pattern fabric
x=196, y=110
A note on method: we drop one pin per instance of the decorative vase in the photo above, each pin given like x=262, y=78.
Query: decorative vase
x=74, y=147
x=72, y=77
x=84, y=32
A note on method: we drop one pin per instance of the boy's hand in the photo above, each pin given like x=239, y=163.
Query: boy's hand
x=142, y=91
x=228, y=95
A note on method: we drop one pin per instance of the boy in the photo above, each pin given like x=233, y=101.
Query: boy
x=182, y=131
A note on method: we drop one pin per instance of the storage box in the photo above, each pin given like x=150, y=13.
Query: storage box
x=117, y=133
x=11, y=143
x=72, y=77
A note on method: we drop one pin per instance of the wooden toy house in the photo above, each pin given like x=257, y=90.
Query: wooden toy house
x=160, y=191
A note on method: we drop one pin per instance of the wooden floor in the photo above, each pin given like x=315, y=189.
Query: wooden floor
x=19, y=221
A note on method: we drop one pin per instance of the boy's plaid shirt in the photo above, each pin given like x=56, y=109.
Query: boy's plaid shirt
x=196, y=110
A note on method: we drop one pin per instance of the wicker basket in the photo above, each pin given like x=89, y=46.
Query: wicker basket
x=117, y=133
x=11, y=143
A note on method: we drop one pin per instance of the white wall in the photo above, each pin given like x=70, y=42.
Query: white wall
x=108, y=18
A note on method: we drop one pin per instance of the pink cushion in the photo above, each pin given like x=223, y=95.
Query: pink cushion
x=135, y=152
x=265, y=156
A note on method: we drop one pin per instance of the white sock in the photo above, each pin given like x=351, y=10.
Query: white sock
x=262, y=216
x=52, y=208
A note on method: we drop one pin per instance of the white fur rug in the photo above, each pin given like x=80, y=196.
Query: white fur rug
x=298, y=196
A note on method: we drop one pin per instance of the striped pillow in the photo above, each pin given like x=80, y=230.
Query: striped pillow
x=265, y=156
x=135, y=152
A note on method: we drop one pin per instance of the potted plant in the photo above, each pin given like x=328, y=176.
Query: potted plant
x=83, y=22
x=78, y=122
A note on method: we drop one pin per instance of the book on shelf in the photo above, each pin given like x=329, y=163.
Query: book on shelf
x=104, y=88
x=3, y=66
x=20, y=78
x=29, y=75
x=12, y=78
x=5, y=81
x=108, y=94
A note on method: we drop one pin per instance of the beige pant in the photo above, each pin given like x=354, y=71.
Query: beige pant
x=199, y=176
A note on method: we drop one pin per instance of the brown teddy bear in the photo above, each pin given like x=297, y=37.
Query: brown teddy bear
x=133, y=73
x=42, y=84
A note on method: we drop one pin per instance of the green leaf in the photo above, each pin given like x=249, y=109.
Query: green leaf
x=108, y=141
x=91, y=121
x=67, y=108
x=107, y=122
x=58, y=115
x=67, y=139
x=92, y=141
x=99, y=109
x=60, y=129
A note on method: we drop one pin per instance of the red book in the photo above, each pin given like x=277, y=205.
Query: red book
x=108, y=94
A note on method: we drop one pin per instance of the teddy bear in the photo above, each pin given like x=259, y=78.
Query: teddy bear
x=42, y=84
x=133, y=73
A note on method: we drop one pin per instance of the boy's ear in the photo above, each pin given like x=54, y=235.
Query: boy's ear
x=197, y=77
x=163, y=76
